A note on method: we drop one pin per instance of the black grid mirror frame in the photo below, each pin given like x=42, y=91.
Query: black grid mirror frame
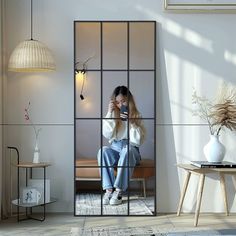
x=98, y=73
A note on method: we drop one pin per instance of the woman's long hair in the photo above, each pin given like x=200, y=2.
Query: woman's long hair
x=133, y=111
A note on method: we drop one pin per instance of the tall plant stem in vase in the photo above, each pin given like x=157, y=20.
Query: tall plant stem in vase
x=206, y=115
x=36, y=132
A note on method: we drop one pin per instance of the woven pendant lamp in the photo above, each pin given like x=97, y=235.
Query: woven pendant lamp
x=31, y=56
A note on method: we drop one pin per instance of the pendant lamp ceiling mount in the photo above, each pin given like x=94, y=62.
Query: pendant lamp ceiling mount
x=31, y=55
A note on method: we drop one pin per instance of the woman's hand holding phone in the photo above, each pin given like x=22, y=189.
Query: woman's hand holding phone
x=124, y=112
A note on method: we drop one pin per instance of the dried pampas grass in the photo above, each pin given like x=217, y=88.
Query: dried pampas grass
x=220, y=114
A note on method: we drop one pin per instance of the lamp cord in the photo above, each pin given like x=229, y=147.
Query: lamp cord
x=31, y=20
x=83, y=84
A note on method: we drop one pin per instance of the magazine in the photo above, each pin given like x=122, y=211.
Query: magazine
x=206, y=164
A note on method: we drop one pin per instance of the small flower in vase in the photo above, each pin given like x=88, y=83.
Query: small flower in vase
x=36, y=132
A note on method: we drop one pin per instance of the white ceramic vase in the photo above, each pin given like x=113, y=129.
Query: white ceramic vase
x=36, y=158
x=214, y=150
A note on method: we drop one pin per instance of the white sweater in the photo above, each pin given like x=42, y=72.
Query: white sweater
x=136, y=134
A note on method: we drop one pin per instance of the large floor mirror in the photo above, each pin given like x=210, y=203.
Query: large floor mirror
x=115, y=116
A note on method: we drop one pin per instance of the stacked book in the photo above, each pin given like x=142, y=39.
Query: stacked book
x=206, y=164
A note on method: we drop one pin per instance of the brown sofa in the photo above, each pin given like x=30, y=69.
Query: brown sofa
x=88, y=170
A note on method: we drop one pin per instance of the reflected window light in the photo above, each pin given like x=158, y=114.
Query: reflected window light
x=230, y=57
x=198, y=40
x=188, y=35
x=174, y=28
x=179, y=31
x=88, y=105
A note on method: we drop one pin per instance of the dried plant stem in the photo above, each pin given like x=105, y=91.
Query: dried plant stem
x=219, y=115
x=27, y=117
x=207, y=118
x=209, y=125
x=218, y=131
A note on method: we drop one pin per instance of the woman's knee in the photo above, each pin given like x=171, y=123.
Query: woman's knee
x=132, y=150
x=133, y=154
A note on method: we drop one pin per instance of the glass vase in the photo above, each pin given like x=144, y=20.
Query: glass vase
x=36, y=157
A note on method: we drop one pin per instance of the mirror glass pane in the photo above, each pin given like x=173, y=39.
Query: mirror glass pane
x=88, y=193
x=111, y=79
x=113, y=208
x=141, y=84
x=142, y=192
x=86, y=108
x=147, y=149
x=88, y=44
x=142, y=45
x=88, y=140
x=114, y=45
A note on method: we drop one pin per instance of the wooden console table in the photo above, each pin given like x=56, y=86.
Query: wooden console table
x=202, y=172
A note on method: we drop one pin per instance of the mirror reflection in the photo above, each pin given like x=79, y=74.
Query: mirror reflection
x=115, y=118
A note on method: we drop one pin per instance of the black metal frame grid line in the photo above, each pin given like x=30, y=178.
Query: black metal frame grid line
x=155, y=112
x=114, y=21
x=101, y=143
x=92, y=118
x=101, y=118
x=128, y=85
x=119, y=70
x=98, y=167
x=38, y=124
x=74, y=25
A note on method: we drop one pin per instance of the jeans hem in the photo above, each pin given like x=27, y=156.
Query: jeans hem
x=107, y=187
x=115, y=186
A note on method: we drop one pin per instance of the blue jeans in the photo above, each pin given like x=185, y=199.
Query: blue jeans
x=117, y=156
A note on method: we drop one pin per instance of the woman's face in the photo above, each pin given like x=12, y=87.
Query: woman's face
x=121, y=100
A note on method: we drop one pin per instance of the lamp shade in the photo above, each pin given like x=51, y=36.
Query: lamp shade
x=80, y=75
x=31, y=56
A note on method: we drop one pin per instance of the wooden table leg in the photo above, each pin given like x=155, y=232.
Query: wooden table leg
x=223, y=188
x=183, y=192
x=199, y=197
x=234, y=180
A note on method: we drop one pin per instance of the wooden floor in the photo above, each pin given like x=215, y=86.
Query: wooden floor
x=167, y=224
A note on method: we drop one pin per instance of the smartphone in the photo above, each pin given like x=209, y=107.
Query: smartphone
x=124, y=110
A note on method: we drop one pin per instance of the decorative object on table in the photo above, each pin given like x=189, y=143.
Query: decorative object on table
x=219, y=115
x=36, y=156
x=207, y=164
x=39, y=185
x=30, y=195
x=214, y=150
x=31, y=55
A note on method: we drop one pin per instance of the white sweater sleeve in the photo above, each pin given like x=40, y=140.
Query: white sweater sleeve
x=108, y=126
x=136, y=135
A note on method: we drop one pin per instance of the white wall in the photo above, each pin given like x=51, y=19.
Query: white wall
x=192, y=50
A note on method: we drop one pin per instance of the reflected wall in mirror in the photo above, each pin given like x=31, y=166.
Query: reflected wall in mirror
x=115, y=133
